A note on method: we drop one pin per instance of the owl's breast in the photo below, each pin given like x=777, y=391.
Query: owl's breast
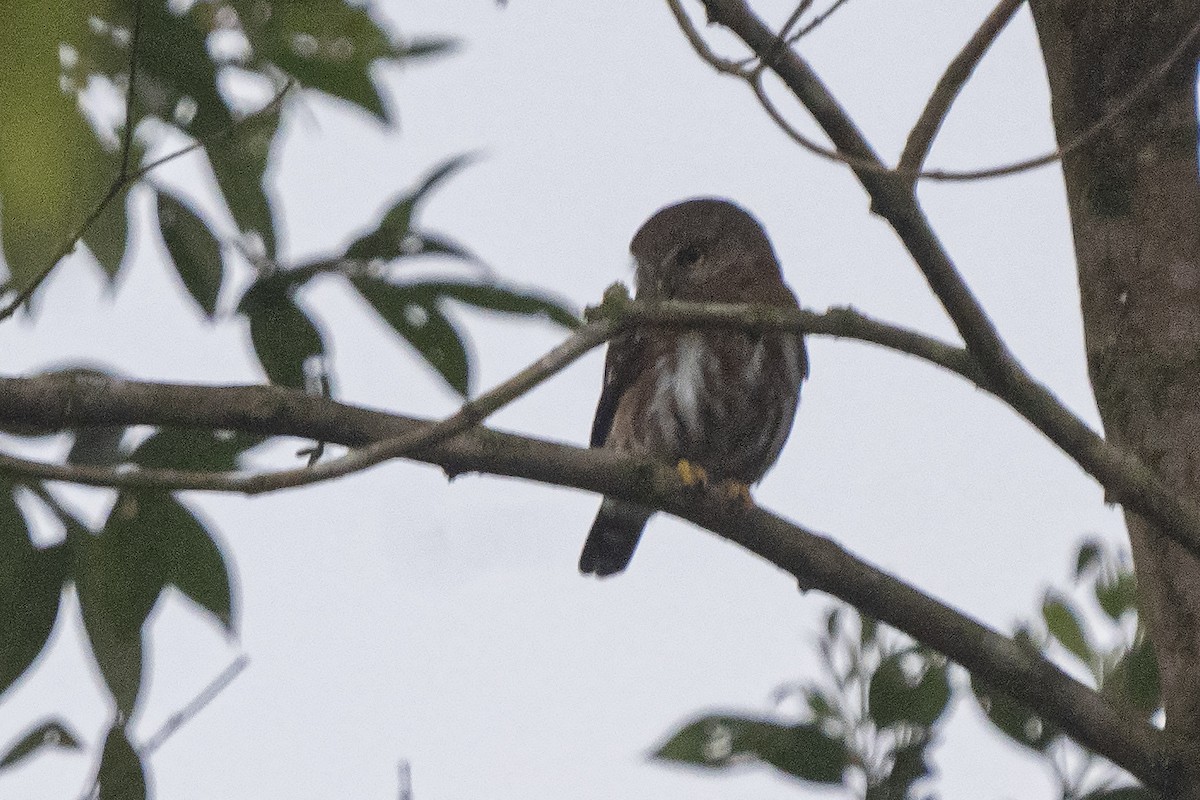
x=722, y=400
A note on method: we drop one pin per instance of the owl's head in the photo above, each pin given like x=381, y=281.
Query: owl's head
x=702, y=249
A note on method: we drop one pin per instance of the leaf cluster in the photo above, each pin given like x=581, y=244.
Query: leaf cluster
x=871, y=723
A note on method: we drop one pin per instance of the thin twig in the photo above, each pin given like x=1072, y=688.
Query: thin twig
x=815, y=22
x=197, y=704
x=793, y=133
x=692, y=34
x=863, y=164
x=121, y=184
x=127, y=134
x=794, y=18
x=920, y=139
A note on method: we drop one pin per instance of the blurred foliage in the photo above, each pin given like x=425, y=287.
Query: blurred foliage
x=93, y=95
x=149, y=542
x=871, y=722
x=1095, y=628
x=66, y=171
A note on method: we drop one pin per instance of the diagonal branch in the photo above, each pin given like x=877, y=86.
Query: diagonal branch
x=920, y=139
x=891, y=195
x=813, y=559
x=752, y=75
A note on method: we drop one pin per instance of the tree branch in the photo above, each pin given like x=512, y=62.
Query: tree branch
x=814, y=560
x=891, y=195
x=920, y=139
x=1125, y=478
x=752, y=75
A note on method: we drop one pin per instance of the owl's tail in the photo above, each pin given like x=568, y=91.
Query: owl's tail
x=613, y=537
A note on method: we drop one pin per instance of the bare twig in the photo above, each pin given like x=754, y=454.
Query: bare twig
x=815, y=22
x=813, y=559
x=701, y=47
x=125, y=180
x=920, y=139
x=861, y=164
x=197, y=704
x=794, y=18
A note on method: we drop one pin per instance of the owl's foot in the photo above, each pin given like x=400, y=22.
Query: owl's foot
x=735, y=492
x=692, y=475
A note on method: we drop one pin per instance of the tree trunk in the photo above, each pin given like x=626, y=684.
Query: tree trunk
x=1134, y=198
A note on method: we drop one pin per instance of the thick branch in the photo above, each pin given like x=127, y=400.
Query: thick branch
x=814, y=560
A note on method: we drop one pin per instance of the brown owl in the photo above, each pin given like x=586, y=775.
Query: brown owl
x=720, y=399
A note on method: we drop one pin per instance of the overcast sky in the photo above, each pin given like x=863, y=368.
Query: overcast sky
x=393, y=615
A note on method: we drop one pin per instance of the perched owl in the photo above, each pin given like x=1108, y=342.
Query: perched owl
x=720, y=399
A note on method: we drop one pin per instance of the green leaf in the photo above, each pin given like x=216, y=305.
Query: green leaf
x=1135, y=680
x=423, y=47
x=390, y=239
x=149, y=541
x=895, y=698
x=177, y=71
x=188, y=448
x=909, y=765
x=505, y=300
x=802, y=751
x=424, y=243
x=239, y=161
x=98, y=445
x=833, y=621
x=1090, y=553
x=194, y=249
x=108, y=236
x=819, y=704
x=1117, y=594
x=413, y=313
x=46, y=734
x=1062, y=620
x=324, y=44
x=282, y=334
x=868, y=630
x=122, y=775
x=54, y=172
x=1012, y=718
x=192, y=561
x=119, y=574
x=30, y=587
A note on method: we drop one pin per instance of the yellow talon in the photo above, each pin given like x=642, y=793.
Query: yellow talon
x=691, y=474
x=736, y=490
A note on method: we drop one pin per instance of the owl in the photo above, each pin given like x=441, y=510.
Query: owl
x=716, y=400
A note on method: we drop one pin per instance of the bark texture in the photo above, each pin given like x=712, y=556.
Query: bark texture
x=1134, y=198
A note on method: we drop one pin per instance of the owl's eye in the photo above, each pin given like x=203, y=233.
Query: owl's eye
x=689, y=255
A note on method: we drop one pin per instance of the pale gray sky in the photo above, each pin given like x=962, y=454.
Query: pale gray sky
x=395, y=616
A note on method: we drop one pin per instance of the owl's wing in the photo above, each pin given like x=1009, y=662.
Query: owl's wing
x=620, y=369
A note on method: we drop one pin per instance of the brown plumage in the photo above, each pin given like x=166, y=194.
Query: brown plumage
x=722, y=399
